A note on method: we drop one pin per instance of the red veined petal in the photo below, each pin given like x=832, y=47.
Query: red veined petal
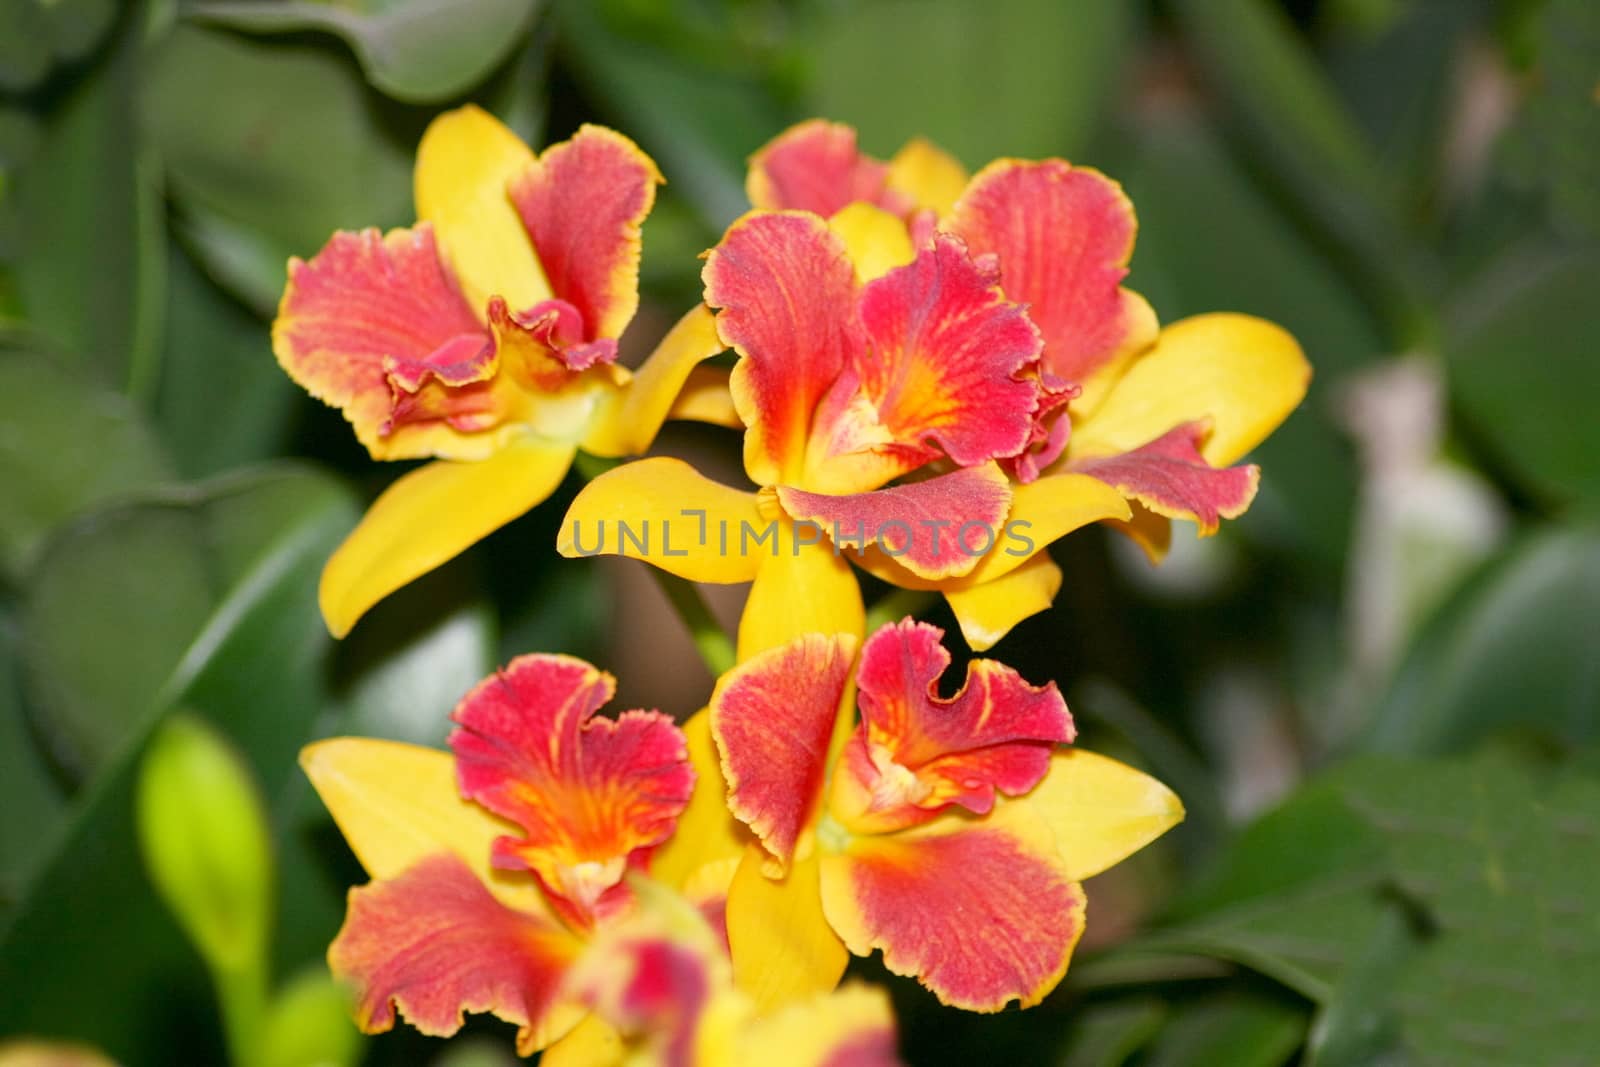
x=1063, y=236
x=370, y=314
x=592, y=795
x=949, y=366
x=786, y=290
x=583, y=203
x=1171, y=478
x=979, y=912
x=435, y=943
x=815, y=166
x=936, y=529
x=916, y=752
x=773, y=717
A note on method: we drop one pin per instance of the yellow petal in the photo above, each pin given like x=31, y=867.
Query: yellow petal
x=705, y=397
x=397, y=803
x=704, y=850
x=928, y=175
x=989, y=610
x=431, y=515
x=592, y=1043
x=876, y=240
x=666, y=513
x=783, y=948
x=800, y=589
x=632, y=415
x=1143, y=329
x=1243, y=374
x=465, y=161
x=1151, y=532
x=818, y=1031
x=1101, y=811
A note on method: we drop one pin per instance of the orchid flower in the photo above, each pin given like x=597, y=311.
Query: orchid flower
x=662, y=981
x=952, y=833
x=1158, y=414
x=483, y=338
x=855, y=370
x=494, y=866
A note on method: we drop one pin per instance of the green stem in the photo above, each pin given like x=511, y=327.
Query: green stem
x=242, y=992
x=715, y=646
x=897, y=605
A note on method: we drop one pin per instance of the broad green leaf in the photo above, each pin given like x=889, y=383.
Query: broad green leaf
x=899, y=68
x=32, y=801
x=1283, y=104
x=1108, y=1034
x=403, y=671
x=115, y=601
x=698, y=123
x=289, y=146
x=1209, y=240
x=66, y=444
x=1358, y=1025
x=223, y=401
x=88, y=259
x=1551, y=147
x=1520, y=354
x=1295, y=897
x=1238, y=1028
x=419, y=51
x=1514, y=648
x=1502, y=859
x=90, y=940
x=24, y=45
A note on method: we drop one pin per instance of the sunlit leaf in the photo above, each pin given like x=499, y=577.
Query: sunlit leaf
x=903, y=68
x=420, y=51
x=65, y=445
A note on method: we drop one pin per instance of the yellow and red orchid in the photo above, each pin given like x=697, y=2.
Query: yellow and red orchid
x=483, y=338
x=662, y=982
x=1158, y=414
x=952, y=834
x=494, y=867
x=845, y=383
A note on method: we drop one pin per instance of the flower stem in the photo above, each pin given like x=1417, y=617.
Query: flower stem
x=715, y=646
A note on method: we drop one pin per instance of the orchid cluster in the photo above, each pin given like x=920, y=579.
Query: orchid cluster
x=936, y=377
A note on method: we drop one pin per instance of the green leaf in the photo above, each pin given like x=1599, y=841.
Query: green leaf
x=1513, y=648
x=898, y=68
x=1210, y=239
x=1294, y=898
x=88, y=259
x=1520, y=352
x=414, y=657
x=1288, y=112
x=1504, y=860
x=1551, y=147
x=1107, y=1035
x=419, y=51
x=115, y=601
x=101, y=958
x=698, y=123
x=1238, y=1028
x=32, y=801
x=67, y=445
x=1358, y=1026
x=223, y=401
x=289, y=146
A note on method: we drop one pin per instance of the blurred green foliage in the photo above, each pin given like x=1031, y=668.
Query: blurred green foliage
x=1386, y=178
